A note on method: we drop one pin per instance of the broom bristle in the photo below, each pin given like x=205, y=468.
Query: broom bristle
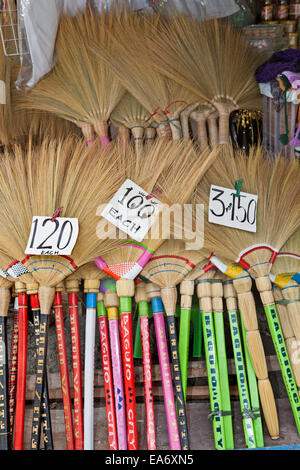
x=55, y=174
x=80, y=88
x=200, y=57
x=288, y=259
x=171, y=264
x=128, y=58
x=88, y=272
x=278, y=208
x=130, y=113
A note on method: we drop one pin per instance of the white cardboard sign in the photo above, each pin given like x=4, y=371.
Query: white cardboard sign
x=132, y=210
x=52, y=238
x=225, y=208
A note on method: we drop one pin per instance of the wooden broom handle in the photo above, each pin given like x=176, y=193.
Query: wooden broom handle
x=224, y=110
x=213, y=129
x=184, y=119
x=291, y=293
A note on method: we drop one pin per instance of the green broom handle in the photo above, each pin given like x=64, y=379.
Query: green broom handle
x=137, y=351
x=254, y=395
x=217, y=415
x=248, y=415
x=283, y=359
x=183, y=346
x=197, y=330
x=217, y=303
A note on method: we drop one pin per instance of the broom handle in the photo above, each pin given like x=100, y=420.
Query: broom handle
x=45, y=405
x=150, y=134
x=223, y=374
x=4, y=416
x=183, y=346
x=166, y=377
x=183, y=430
x=77, y=371
x=248, y=414
x=148, y=388
x=290, y=293
x=217, y=305
x=101, y=128
x=216, y=415
x=202, y=133
x=64, y=372
x=213, y=130
x=138, y=135
x=254, y=395
x=128, y=370
x=288, y=332
x=107, y=375
x=246, y=302
x=89, y=365
x=21, y=374
x=116, y=360
x=12, y=373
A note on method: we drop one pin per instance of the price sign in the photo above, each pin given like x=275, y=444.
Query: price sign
x=52, y=238
x=132, y=210
x=225, y=208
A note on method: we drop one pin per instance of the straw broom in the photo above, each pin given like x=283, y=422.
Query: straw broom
x=284, y=274
x=256, y=251
x=71, y=172
x=129, y=59
x=167, y=268
x=80, y=88
x=199, y=57
x=141, y=299
x=131, y=114
x=185, y=168
x=112, y=304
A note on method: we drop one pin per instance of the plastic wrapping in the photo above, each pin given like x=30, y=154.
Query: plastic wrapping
x=37, y=25
x=38, y=22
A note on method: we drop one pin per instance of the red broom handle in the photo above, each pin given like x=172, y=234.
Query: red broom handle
x=108, y=383
x=77, y=373
x=128, y=374
x=64, y=373
x=12, y=374
x=21, y=373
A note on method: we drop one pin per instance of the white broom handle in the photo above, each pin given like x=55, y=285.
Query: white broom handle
x=90, y=329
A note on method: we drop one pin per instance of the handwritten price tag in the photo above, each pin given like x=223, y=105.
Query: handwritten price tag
x=52, y=238
x=225, y=208
x=132, y=211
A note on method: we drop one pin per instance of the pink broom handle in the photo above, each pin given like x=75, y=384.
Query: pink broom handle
x=118, y=382
x=164, y=362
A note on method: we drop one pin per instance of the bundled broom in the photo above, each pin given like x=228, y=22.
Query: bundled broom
x=76, y=179
x=278, y=217
x=167, y=268
x=129, y=59
x=199, y=58
x=170, y=169
x=131, y=114
x=79, y=88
